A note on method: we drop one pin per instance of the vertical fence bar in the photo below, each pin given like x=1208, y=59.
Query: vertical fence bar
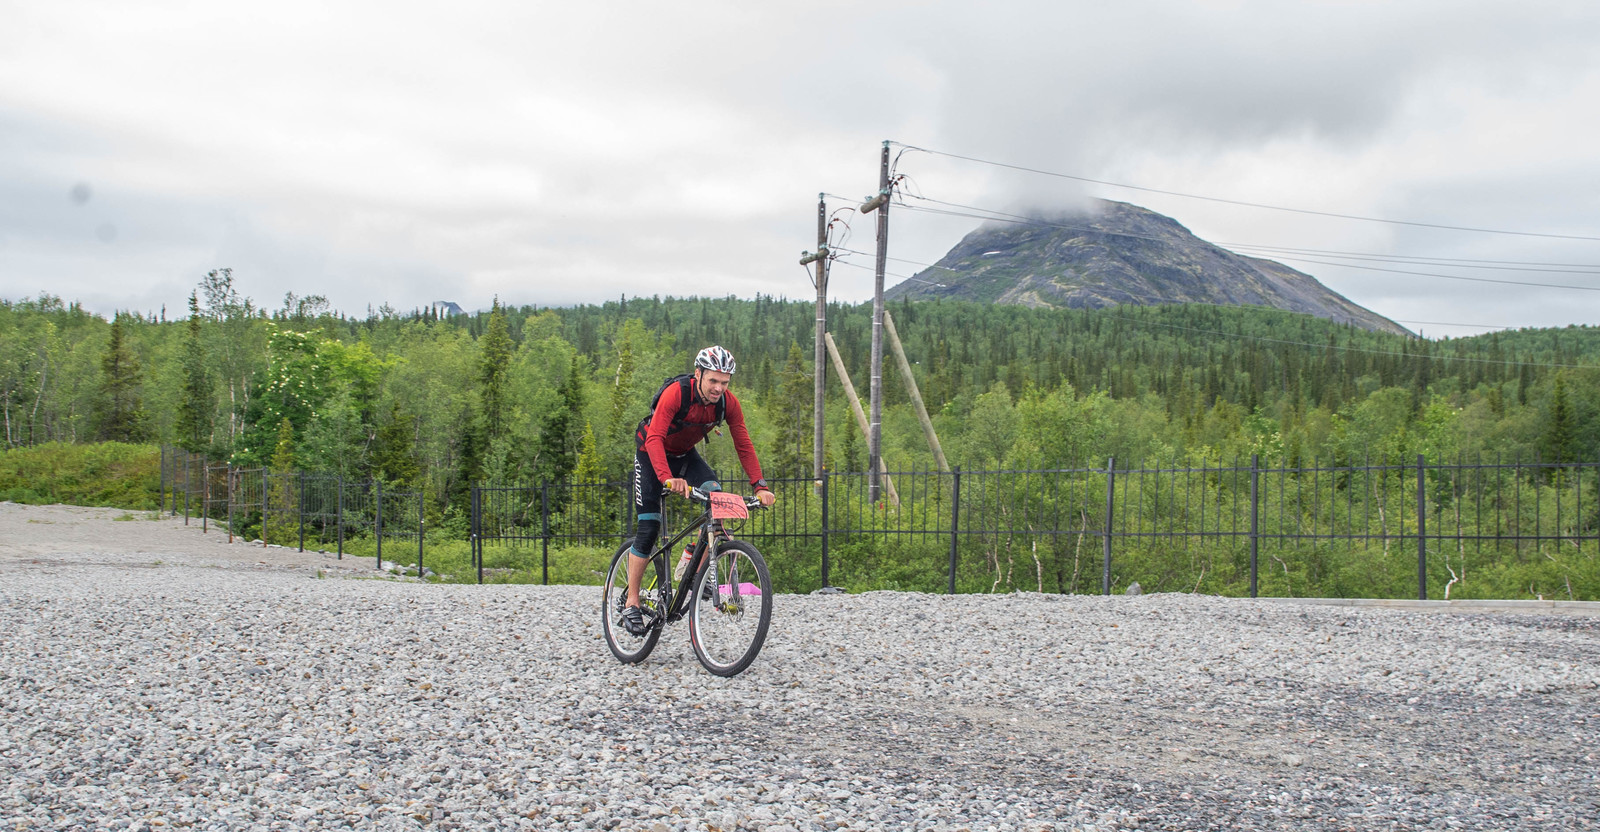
x=230, y=503
x=419, y=533
x=824, y=476
x=338, y=516
x=955, y=525
x=186, y=489
x=1422, y=531
x=266, y=500
x=205, y=497
x=1255, y=514
x=1111, y=491
x=161, y=494
x=378, y=519
x=475, y=524
x=544, y=511
x=302, y=511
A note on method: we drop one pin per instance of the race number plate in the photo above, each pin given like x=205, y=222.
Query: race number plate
x=726, y=506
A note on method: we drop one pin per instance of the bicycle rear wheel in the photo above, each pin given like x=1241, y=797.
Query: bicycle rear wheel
x=653, y=600
x=732, y=608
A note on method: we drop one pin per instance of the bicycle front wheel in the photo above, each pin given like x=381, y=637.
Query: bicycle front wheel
x=732, y=608
x=653, y=588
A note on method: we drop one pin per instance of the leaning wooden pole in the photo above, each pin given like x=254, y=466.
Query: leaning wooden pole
x=916, y=395
x=861, y=415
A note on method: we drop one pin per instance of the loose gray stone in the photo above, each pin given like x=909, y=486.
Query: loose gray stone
x=240, y=693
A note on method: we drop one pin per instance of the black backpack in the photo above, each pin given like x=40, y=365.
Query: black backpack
x=685, y=399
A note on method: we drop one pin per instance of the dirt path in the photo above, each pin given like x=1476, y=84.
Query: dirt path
x=42, y=536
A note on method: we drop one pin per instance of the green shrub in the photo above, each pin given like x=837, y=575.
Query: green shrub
x=110, y=474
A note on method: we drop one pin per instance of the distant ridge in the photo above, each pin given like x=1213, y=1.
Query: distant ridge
x=1116, y=254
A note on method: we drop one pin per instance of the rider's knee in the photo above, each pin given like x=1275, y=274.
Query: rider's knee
x=645, y=538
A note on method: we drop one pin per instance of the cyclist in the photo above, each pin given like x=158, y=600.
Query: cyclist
x=686, y=410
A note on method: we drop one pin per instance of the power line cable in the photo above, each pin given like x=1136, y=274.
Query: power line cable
x=1446, y=323
x=1248, y=204
x=1354, y=349
x=946, y=268
x=1313, y=345
x=1000, y=216
x=1507, y=265
x=1461, y=262
x=886, y=274
x=1444, y=276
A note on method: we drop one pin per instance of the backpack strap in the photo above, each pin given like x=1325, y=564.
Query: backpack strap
x=686, y=398
x=679, y=419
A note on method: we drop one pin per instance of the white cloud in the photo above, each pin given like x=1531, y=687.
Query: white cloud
x=376, y=153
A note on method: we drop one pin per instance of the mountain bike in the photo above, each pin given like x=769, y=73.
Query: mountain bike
x=726, y=595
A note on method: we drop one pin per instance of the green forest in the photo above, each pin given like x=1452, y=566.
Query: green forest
x=528, y=394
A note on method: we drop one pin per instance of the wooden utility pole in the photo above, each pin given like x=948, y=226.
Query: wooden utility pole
x=916, y=395
x=855, y=406
x=880, y=203
x=818, y=362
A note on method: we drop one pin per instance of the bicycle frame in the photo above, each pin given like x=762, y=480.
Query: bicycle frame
x=711, y=531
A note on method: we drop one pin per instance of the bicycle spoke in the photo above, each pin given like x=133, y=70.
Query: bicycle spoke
x=732, y=609
x=629, y=648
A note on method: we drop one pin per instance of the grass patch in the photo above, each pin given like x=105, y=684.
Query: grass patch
x=450, y=561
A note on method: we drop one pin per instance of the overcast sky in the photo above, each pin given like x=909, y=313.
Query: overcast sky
x=555, y=154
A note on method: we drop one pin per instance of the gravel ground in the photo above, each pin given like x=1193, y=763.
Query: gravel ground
x=155, y=677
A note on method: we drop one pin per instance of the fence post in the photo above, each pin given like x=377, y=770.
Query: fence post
x=627, y=510
x=302, y=511
x=419, y=533
x=955, y=526
x=1255, y=511
x=161, y=493
x=205, y=496
x=544, y=511
x=338, y=515
x=825, y=562
x=186, y=489
x=1111, y=491
x=230, y=503
x=1422, y=531
x=378, y=520
x=476, y=527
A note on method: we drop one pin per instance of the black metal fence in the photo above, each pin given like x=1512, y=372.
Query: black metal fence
x=1240, y=528
x=1388, y=529
x=292, y=509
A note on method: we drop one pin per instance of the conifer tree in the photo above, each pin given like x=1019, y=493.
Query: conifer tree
x=790, y=412
x=589, y=501
x=195, y=404
x=851, y=442
x=122, y=417
x=1558, y=431
x=282, y=502
x=558, y=437
x=496, y=350
x=621, y=458
x=394, y=457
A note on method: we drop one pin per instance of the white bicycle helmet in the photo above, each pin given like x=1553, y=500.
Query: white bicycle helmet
x=715, y=358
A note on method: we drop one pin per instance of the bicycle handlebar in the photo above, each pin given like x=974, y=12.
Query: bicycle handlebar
x=704, y=498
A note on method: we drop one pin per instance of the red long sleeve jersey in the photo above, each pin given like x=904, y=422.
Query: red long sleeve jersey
x=658, y=443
